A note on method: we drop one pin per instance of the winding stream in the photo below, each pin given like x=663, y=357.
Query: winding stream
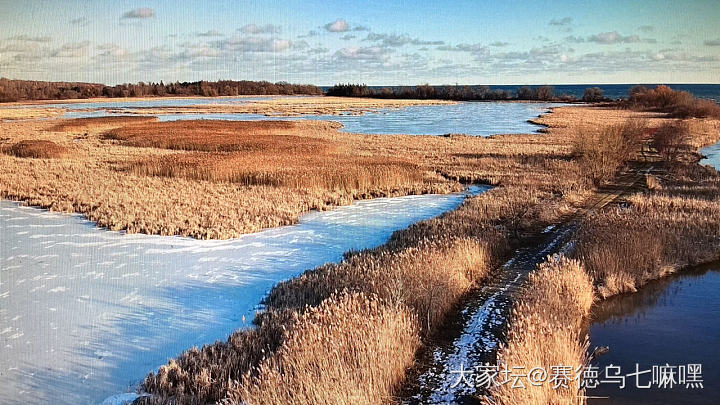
x=87, y=312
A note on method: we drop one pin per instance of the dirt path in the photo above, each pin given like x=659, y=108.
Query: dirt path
x=472, y=337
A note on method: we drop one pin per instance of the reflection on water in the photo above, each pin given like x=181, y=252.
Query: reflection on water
x=674, y=321
x=472, y=118
x=85, y=312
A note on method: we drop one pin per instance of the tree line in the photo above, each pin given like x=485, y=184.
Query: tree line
x=20, y=90
x=461, y=93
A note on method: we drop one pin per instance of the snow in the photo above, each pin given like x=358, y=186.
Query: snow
x=86, y=313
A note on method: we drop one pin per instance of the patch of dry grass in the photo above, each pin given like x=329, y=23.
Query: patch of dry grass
x=96, y=123
x=348, y=350
x=602, y=151
x=265, y=153
x=38, y=149
x=662, y=230
x=545, y=331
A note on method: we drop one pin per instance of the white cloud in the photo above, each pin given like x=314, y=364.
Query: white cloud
x=139, y=13
x=27, y=38
x=257, y=29
x=392, y=40
x=254, y=44
x=562, y=22
x=338, y=25
x=611, y=38
x=211, y=33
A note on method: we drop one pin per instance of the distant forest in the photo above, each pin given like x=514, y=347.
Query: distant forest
x=462, y=93
x=20, y=90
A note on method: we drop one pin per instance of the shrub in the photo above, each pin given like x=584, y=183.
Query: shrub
x=601, y=152
x=679, y=104
x=670, y=140
x=594, y=94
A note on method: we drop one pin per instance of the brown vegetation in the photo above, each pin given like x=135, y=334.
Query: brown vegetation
x=672, y=224
x=14, y=90
x=546, y=331
x=271, y=153
x=96, y=123
x=602, y=151
x=662, y=230
x=349, y=350
x=39, y=149
x=677, y=104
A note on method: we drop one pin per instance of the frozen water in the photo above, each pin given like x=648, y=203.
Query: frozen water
x=472, y=118
x=85, y=312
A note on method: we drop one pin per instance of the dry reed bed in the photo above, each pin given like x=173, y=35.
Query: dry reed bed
x=674, y=224
x=38, y=149
x=97, y=123
x=423, y=271
x=142, y=189
x=546, y=331
x=291, y=106
x=271, y=153
x=27, y=113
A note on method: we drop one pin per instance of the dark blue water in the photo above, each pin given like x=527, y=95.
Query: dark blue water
x=670, y=321
x=613, y=91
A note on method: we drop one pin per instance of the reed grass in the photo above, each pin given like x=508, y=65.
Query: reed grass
x=37, y=149
x=349, y=350
x=545, y=331
x=662, y=230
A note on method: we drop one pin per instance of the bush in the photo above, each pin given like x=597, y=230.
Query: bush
x=670, y=140
x=679, y=104
x=594, y=94
x=601, y=152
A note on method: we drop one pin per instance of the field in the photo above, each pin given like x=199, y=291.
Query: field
x=217, y=179
x=421, y=273
x=667, y=222
x=139, y=175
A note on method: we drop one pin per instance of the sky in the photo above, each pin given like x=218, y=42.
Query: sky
x=374, y=42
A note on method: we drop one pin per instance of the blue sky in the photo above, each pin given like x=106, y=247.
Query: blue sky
x=375, y=42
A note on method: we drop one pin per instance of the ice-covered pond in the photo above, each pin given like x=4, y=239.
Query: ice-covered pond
x=472, y=118
x=86, y=312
